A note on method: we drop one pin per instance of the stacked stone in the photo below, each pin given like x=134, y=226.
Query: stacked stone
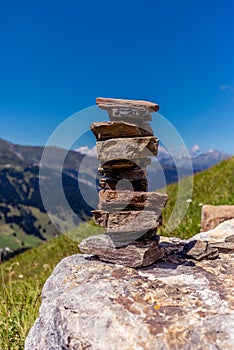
x=130, y=214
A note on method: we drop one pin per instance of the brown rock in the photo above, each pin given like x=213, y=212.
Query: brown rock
x=131, y=175
x=107, y=103
x=127, y=148
x=200, y=250
x=127, y=221
x=121, y=239
x=125, y=164
x=223, y=247
x=217, y=234
x=134, y=255
x=213, y=215
x=109, y=130
x=109, y=200
x=110, y=184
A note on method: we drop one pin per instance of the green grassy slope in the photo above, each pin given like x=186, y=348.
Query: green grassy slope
x=23, y=277
x=213, y=186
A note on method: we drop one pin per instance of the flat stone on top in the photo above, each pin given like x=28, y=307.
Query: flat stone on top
x=108, y=103
x=136, y=116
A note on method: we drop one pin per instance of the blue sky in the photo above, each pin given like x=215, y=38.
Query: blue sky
x=58, y=56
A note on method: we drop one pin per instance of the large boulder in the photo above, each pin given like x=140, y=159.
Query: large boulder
x=219, y=233
x=177, y=303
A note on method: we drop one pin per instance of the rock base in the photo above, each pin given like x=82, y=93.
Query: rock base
x=88, y=304
x=135, y=254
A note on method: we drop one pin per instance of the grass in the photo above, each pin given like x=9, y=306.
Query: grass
x=12, y=235
x=214, y=186
x=22, y=277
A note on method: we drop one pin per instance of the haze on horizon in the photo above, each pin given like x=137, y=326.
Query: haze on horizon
x=57, y=57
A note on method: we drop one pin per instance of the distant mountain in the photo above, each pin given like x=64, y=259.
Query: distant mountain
x=200, y=160
x=206, y=160
x=23, y=221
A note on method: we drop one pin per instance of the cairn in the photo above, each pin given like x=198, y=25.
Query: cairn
x=130, y=214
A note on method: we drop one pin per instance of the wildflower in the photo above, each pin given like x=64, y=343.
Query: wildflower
x=200, y=204
x=189, y=200
x=21, y=276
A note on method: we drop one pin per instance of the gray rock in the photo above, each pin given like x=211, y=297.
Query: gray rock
x=109, y=200
x=127, y=148
x=88, y=304
x=116, y=240
x=110, y=130
x=127, y=221
x=200, y=250
x=135, y=254
x=217, y=234
x=129, y=115
x=229, y=238
x=223, y=247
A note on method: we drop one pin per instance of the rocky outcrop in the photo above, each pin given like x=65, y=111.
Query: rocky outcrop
x=212, y=215
x=177, y=303
x=114, y=103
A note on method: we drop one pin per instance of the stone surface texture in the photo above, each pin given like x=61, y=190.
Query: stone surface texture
x=125, y=164
x=113, y=199
x=107, y=103
x=131, y=253
x=127, y=221
x=88, y=304
x=109, y=130
x=130, y=115
x=213, y=215
x=200, y=250
x=127, y=148
x=220, y=233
